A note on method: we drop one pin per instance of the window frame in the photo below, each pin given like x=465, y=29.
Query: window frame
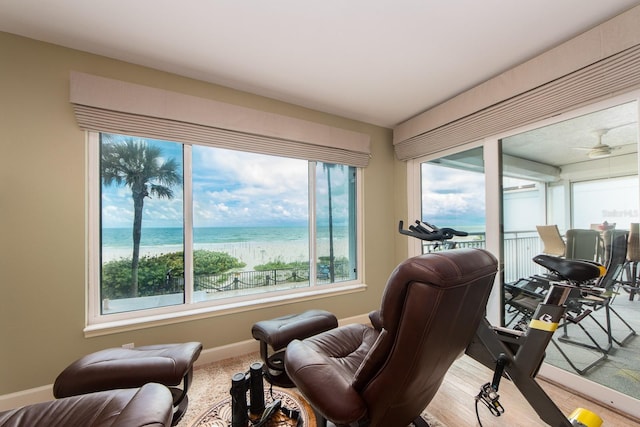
x=99, y=324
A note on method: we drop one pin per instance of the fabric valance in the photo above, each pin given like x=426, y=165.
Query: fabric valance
x=600, y=63
x=605, y=78
x=107, y=105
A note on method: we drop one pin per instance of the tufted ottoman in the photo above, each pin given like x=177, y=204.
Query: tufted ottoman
x=279, y=332
x=115, y=368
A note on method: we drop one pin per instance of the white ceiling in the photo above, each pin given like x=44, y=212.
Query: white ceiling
x=378, y=61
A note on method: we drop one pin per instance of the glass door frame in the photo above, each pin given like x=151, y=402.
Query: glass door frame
x=494, y=236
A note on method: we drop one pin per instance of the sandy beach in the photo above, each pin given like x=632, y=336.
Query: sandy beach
x=251, y=253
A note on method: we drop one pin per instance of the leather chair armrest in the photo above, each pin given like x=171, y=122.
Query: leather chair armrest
x=149, y=406
x=320, y=382
x=154, y=401
x=376, y=320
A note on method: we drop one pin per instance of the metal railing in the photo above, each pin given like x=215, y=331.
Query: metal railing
x=519, y=249
x=249, y=279
x=241, y=280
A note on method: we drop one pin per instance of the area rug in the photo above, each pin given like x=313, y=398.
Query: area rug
x=298, y=412
x=212, y=382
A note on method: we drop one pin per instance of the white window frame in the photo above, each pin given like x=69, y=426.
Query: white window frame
x=492, y=193
x=98, y=324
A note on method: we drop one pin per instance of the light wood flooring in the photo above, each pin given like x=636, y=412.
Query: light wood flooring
x=454, y=403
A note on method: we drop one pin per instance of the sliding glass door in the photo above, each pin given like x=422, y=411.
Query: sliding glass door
x=577, y=172
x=581, y=176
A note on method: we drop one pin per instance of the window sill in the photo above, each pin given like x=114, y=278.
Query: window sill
x=142, y=322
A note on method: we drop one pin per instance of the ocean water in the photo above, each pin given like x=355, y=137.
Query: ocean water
x=154, y=237
x=251, y=245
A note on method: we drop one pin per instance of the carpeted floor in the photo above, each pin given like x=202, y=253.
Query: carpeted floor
x=211, y=383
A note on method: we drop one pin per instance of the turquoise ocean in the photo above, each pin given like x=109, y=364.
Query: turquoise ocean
x=252, y=245
x=170, y=236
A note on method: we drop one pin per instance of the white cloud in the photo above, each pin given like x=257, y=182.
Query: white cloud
x=452, y=192
x=230, y=188
x=235, y=187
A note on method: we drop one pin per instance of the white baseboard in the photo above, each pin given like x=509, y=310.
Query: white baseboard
x=361, y=318
x=26, y=397
x=210, y=355
x=216, y=354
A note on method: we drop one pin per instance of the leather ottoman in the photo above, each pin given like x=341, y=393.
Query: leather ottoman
x=148, y=406
x=279, y=332
x=116, y=368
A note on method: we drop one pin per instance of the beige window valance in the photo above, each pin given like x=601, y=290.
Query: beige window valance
x=601, y=63
x=107, y=105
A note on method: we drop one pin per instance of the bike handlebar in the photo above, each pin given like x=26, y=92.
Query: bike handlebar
x=429, y=232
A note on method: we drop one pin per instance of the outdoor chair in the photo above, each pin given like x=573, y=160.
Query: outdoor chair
x=552, y=241
x=521, y=299
x=584, y=302
x=583, y=244
x=386, y=374
x=523, y=296
x=630, y=284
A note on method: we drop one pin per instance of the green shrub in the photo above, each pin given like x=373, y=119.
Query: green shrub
x=160, y=274
x=280, y=264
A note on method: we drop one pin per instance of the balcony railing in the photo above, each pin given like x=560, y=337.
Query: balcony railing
x=243, y=280
x=519, y=249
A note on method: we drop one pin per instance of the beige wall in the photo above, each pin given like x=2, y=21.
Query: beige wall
x=42, y=215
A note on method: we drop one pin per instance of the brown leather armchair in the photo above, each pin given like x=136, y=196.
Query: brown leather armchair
x=386, y=375
x=148, y=406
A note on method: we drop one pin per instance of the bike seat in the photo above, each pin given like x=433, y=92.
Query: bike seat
x=575, y=270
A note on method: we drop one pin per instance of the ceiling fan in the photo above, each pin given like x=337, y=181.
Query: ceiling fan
x=600, y=149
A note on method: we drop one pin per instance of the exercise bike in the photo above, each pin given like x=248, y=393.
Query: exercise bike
x=518, y=355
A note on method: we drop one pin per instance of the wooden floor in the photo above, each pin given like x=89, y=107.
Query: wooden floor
x=454, y=403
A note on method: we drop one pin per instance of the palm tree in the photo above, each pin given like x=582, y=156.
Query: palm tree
x=136, y=164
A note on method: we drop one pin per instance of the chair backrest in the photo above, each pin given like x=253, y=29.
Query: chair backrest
x=616, y=255
x=431, y=307
x=633, y=243
x=551, y=240
x=583, y=244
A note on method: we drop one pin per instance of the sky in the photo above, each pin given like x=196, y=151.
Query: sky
x=231, y=188
x=452, y=197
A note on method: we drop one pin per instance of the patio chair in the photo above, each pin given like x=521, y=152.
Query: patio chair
x=551, y=239
x=584, y=302
x=521, y=299
x=584, y=244
x=630, y=284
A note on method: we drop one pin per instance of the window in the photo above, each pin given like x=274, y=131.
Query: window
x=178, y=226
x=452, y=195
x=617, y=202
